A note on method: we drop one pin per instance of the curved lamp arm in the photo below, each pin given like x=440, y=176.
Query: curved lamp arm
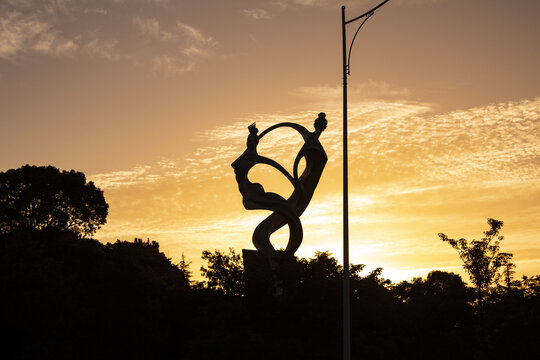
x=366, y=13
x=352, y=42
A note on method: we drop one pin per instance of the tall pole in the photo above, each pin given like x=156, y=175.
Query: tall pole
x=346, y=282
x=346, y=275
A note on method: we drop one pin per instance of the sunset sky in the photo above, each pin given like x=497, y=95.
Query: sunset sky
x=151, y=99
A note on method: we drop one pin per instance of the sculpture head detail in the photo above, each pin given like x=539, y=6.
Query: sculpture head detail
x=253, y=139
x=320, y=122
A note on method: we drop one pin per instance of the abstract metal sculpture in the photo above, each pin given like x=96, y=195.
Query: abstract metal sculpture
x=284, y=211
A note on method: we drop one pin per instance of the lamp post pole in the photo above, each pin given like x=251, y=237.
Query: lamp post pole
x=346, y=275
x=346, y=282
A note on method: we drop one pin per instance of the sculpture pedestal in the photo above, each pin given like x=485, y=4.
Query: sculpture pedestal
x=257, y=274
x=263, y=281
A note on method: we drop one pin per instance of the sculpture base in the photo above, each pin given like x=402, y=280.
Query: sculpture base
x=263, y=281
x=257, y=274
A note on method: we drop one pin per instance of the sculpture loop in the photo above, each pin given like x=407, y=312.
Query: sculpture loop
x=284, y=211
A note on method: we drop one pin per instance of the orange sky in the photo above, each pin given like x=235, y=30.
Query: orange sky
x=152, y=98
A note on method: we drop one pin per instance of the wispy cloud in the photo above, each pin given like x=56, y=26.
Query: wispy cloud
x=116, y=179
x=197, y=44
x=367, y=90
x=396, y=149
x=171, y=65
x=496, y=144
x=97, y=11
x=99, y=29
x=420, y=1
x=156, y=2
x=151, y=29
x=281, y=4
x=256, y=14
x=20, y=33
x=191, y=47
x=352, y=3
x=308, y=2
x=106, y=49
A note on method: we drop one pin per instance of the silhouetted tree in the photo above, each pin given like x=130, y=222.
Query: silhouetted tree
x=144, y=260
x=530, y=286
x=438, y=315
x=183, y=265
x=321, y=275
x=225, y=272
x=64, y=297
x=482, y=259
x=511, y=320
x=443, y=297
x=39, y=197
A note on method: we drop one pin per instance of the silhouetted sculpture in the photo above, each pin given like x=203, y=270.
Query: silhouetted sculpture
x=285, y=211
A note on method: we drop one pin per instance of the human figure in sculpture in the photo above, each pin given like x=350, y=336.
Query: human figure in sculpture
x=253, y=139
x=285, y=211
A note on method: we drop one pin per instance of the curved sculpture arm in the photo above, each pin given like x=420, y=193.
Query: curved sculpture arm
x=267, y=161
x=297, y=162
x=302, y=130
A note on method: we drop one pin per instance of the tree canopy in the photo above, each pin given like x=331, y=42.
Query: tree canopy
x=225, y=272
x=40, y=197
x=482, y=259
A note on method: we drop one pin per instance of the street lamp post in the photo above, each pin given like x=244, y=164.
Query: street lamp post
x=346, y=282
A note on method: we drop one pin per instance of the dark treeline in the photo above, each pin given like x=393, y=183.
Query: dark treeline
x=66, y=295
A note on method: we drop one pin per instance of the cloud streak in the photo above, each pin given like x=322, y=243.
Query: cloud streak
x=256, y=14
x=368, y=90
x=151, y=29
x=190, y=46
x=19, y=33
x=99, y=29
x=495, y=144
